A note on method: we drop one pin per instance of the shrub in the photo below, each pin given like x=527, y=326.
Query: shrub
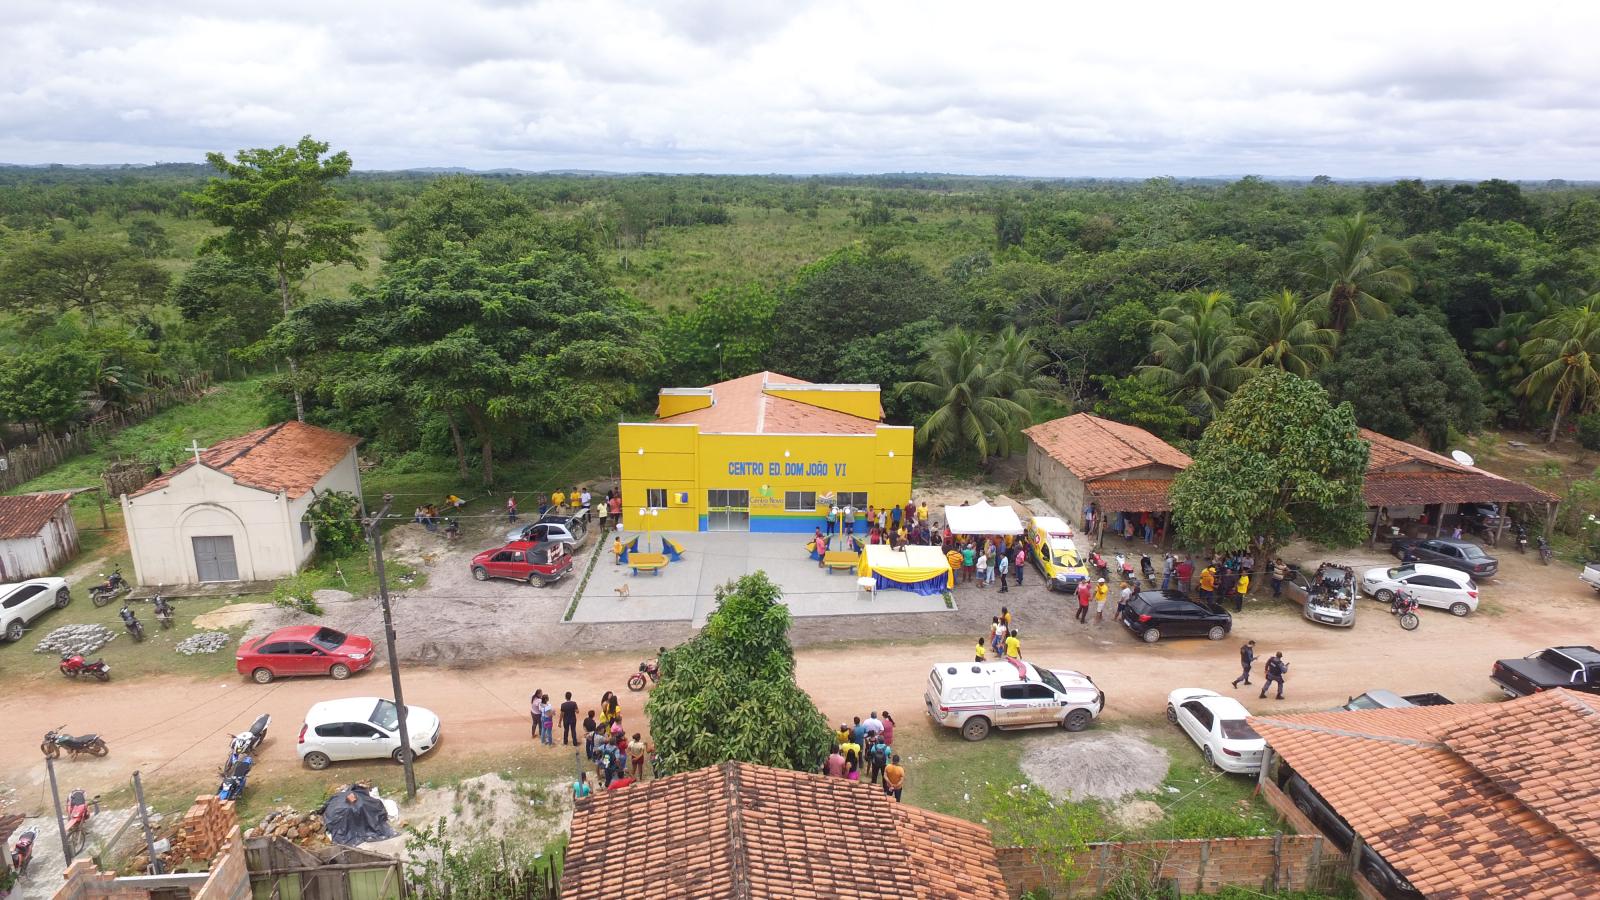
x=335, y=519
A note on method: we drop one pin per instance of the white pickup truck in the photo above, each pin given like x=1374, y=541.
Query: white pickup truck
x=1006, y=694
x=1590, y=575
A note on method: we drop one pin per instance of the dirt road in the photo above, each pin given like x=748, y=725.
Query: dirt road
x=177, y=730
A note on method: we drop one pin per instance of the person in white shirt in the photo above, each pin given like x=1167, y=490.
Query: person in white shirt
x=586, y=498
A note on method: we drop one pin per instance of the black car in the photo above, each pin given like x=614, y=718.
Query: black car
x=1382, y=876
x=1153, y=615
x=1463, y=555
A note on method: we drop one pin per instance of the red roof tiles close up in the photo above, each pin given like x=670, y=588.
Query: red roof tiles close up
x=1091, y=447
x=290, y=457
x=24, y=515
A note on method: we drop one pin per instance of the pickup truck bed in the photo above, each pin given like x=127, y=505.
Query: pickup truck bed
x=1521, y=677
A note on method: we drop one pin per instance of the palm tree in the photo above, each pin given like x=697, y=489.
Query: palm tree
x=1287, y=334
x=1563, y=358
x=980, y=389
x=1500, y=345
x=1195, y=352
x=1361, y=269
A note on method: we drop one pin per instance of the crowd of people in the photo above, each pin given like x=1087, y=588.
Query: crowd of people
x=867, y=744
x=619, y=759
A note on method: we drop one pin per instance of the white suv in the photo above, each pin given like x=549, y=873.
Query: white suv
x=975, y=696
x=26, y=601
x=363, y=728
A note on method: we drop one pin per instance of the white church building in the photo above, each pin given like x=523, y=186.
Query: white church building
x=236, y=511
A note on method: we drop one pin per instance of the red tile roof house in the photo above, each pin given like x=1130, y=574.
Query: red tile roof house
x=37, y=534
x=237, y=512
x=751, y=832
x=1494, y=800
x=1081, y=458
x=1405, y=481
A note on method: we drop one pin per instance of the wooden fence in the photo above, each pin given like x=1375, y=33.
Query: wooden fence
x=24, y=463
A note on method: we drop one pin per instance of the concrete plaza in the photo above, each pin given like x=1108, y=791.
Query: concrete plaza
x=684, y=590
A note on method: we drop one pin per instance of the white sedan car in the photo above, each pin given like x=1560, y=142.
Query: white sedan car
x=1217, y=724
x=363, y=728
x=26, y=601
x=1434, y=586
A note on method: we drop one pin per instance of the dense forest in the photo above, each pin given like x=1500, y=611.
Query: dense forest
x=461, y=316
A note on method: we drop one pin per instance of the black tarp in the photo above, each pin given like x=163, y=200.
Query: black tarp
x=353, y=816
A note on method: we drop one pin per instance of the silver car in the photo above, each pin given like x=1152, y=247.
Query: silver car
x=1327, y=597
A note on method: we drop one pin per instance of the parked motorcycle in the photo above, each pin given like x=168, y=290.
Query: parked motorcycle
x=1125, y=568
x=163, y=611
x=131, y=622
x=651, y=669
x=1099, y=563
x=1148, y=569
x=1522, y=538
x=1405, y=606
x=79, y=812
x=234, y=777
x=113, y=587
x=246, y=742
x=73, y=665
x=22, y=853
x=1544, y=550
x=56, y=740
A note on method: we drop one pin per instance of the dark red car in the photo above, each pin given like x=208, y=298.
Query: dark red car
x=303, y=650
x=543, y=563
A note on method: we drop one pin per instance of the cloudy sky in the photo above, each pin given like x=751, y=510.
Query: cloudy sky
x=1464, y=89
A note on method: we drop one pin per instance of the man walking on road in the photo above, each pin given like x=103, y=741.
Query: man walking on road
x=569, y=720
x=1083, y=601
x=1276, y=669
x=1247, y=658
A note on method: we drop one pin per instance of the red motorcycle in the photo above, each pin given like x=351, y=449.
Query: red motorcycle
x=1405, y=606
x=79, y=811
x=636, y=681
x=22, y=853
x=73, y=665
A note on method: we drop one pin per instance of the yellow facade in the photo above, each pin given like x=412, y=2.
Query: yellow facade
x=692, y=479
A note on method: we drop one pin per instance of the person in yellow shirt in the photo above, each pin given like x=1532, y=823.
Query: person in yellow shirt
x=1208, y=581
x=558, y=498
x=981, y=652
x=954, y=558
x=1240, y=591
x=1013, y=646
x=843, y=734
x=1100, y=594
x=894, y=777
x=849, y=747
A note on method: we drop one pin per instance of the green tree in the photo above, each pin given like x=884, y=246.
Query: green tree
x=149, y=238
x=1287, y=334
x=90, y=274
x=1137, y=402
x=479, y=215
x=335, y=518
x=280, y=213
x=1406, y=375
x=1280, y=460
x=1010, y=227
x=1196, y=352
x=980, y=390
x=540, y=344
x=1563, y=360
x=45, y=390
x=729, y=693
x=726, y=333
x=1358, y=270
x=225, y=304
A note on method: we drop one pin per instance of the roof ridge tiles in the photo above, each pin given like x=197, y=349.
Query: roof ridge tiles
x=739, y=862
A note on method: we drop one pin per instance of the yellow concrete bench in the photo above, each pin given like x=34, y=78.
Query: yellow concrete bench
x=649, y=562
x=841, y=559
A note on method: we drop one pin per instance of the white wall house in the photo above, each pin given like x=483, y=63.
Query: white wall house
x=37, y=534
x=238, y=513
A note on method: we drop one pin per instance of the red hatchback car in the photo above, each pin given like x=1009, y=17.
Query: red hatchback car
x=303, y=650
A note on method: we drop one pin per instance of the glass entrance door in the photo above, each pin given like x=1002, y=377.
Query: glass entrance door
x=727, y=510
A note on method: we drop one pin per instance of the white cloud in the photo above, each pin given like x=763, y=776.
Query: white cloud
x=1043, y=87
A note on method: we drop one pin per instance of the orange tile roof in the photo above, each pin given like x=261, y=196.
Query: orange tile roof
x=24, y=515
x=742, y=406
x=1091, y=447
x=745, y=831
x=1131, y=494
x=1451, y=829
x=1388, y=452
x=1422, y=488
x=290, y=457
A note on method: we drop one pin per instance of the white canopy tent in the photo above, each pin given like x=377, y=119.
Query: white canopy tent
x=982, y=519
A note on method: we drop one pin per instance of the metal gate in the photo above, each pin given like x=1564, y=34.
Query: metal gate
x=214, y=559
x=727, y=510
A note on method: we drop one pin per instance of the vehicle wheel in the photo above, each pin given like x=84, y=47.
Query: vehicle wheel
x=1077, y=720
x=317, y=761
x=14, y=631
x=103, y=676
x=1151, y=635
x=99, y=748
x=1409, y=621
x=1206, y=752
x=1459, y=610
x=70, y=673
x=1217, y=633
x=339, y=672
x=262, y=675
x=636, y=682
x=50, y=749
x=534, y=580
x=1374, y=875
x=99, y=598
x=399, y=755
x=63, y=597
x=1172, y=714
x=1303, y=804
x=480, y=573
x=1383, y=595
x=77, y=839
x=975, y=729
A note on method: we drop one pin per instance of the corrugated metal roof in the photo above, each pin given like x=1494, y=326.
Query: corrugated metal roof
x=25, y=515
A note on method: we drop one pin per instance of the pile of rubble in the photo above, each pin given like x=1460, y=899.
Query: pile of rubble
x=80, y=639
x=304, y=829
x=204, y=642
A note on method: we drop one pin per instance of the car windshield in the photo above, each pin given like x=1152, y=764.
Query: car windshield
x=1066, y=558
x=1364, y=701
x=1400, y=572
x=385, y=716
x=1049, y=678
x=1472, y=551
x=328, y=639
x=1238, y=730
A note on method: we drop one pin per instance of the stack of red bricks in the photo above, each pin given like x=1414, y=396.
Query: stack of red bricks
x=203, y=830
x=85, y=882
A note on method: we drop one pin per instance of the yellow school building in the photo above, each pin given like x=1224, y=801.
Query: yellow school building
x=765, y=452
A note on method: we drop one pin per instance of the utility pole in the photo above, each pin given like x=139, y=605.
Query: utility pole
x=374, y=527
x=61, y=821
x=144, y=819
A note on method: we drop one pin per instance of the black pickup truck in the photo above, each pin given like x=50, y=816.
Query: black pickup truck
x=1575, y=668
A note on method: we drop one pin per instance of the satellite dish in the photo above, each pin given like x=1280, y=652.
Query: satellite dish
x=1461, y=456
